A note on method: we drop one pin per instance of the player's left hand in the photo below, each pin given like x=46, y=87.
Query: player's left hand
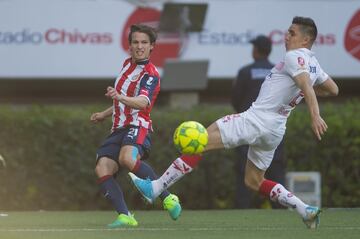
x=97, y=117
x=318, y=126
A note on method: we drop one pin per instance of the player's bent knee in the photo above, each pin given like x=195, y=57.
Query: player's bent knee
x=100, y=170
x=126, y=161
x=105, y=166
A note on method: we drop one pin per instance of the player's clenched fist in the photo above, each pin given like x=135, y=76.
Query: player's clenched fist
x=97, y=117
x=112, y=93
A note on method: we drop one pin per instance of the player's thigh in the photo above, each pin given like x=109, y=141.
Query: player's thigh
x=238, y=129
x=128, y=156
x=214, y=141
x=261, y=152
x=110, y=147
x=136, y=145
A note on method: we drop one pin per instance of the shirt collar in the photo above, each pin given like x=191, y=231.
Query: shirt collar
x=142, y=62
x=307, y=51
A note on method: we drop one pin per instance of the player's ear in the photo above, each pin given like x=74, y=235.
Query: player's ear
x=307, y=41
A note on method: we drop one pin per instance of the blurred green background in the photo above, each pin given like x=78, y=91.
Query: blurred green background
x=50, y=156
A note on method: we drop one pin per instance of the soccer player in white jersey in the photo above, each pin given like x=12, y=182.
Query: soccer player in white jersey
x=133, y=95
x=263, y=125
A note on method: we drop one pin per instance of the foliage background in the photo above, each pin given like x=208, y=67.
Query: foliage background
x=50, y=157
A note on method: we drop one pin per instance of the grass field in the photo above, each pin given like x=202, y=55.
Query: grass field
x=226, y=224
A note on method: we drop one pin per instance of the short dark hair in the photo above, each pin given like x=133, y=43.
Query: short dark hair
x=263, y=44
x=307, y=26
x=151, y=32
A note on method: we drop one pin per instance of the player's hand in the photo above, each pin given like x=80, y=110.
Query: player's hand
x=318, y=126
x=112, y=93
x=97, y=117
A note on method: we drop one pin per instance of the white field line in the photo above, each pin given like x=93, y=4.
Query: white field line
x=167, y=229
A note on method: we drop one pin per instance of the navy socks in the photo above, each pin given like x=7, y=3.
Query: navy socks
x=112, y=191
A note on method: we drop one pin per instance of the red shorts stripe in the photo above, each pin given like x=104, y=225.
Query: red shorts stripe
x=141, y=135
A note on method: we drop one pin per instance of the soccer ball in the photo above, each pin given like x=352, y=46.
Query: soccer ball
x=190, y=137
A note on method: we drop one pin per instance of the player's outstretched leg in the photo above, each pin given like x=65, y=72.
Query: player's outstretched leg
x=152, y=189
x=278, y=193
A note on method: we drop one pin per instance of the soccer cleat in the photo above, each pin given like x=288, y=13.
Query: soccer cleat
x=312, y=218
x=123, y=220
x=172, y=204
x=144, y=186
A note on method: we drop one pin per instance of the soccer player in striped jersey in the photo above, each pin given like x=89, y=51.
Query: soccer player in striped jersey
x=133, y=94
x=263, y=125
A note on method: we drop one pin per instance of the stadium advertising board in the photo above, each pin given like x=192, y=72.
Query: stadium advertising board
x=88, y=39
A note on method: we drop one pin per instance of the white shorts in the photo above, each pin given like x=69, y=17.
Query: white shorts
x=246, y=128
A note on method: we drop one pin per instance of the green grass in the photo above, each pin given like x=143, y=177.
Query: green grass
x=224, y=224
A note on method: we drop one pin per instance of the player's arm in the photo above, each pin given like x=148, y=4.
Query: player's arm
x=318, y=125
x=138, y=102
x=327, y=88
x=100, y=116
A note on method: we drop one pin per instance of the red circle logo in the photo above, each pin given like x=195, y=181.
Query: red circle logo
x=167, y=45
x=352, y=36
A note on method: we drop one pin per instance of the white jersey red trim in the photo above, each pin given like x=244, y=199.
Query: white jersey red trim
x=135, y=79
x=279, y=93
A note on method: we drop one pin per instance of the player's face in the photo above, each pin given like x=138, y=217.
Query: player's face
x=294, y=38
x=140, y=46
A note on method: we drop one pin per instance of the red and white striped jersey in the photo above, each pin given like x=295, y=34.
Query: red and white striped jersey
x=135, y=79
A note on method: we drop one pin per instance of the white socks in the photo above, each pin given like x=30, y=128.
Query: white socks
x=284, y=197
x=176, y=171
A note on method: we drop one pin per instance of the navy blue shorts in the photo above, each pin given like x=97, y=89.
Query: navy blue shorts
x=131, y=135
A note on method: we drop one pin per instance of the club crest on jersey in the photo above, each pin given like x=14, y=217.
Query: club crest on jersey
x=135, y=77
x=301, y=61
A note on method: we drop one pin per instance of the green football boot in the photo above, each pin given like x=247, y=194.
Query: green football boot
x=172, y=204
x=124, y=221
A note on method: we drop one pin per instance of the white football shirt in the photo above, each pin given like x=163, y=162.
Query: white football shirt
x=279, y=93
